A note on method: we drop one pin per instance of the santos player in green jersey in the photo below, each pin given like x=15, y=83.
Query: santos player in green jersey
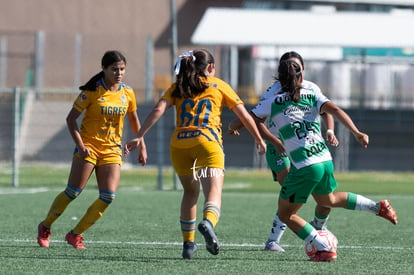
x=295, y=113
x=278, y=164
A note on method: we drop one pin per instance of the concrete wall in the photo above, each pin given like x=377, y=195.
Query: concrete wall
x=103, y=25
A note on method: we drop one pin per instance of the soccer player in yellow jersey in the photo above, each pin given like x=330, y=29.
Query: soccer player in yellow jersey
x=196, y=145
x=105, y=101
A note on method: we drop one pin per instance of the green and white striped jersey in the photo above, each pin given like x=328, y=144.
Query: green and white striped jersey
x=296, y=124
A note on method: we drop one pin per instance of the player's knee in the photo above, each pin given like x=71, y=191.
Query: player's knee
x=107, y=196
x=285, y=218
x=72, y=192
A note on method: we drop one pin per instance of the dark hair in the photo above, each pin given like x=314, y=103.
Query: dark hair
x=289, y=74
x=292, y=54
x=109, y=58
x=191, y=72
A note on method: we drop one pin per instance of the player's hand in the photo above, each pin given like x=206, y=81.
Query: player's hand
x=261, y=147
x=131, y=145
x=362, y=138
x=280, y=148
x=233, y=132
x=142, y=155
x=331, y=138
x=83, y=152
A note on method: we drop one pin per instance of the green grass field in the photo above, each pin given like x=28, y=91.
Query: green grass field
x=140, y=232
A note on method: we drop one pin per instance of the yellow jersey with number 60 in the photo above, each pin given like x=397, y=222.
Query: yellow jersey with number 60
x=198, y=119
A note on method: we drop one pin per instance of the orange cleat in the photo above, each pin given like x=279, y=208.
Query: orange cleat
x=43, y=235
x=387, y=212
x=75, y=240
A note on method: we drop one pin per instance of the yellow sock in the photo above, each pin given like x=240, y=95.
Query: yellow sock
x=58, y=206
x=188, y=230
x=92, y=215
x=212, y=213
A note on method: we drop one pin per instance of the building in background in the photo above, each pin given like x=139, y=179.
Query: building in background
x=74, y=34
x=54, y=48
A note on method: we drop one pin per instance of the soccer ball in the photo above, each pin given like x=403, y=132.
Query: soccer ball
x=331, y=239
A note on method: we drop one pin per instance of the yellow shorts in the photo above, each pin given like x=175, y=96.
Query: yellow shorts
x=103, y=155
x=186, y=161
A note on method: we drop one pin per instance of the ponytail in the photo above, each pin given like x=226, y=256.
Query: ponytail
x=190, y=70
x=92, y=83
x=289, y=74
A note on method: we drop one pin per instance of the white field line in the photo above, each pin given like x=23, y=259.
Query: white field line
x=222, y=244
x=12, y=190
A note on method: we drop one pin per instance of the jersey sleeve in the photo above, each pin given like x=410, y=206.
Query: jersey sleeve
x=320, y=99
x=82, y=101
x=132, y=104
x=262, y=110
x=168, y=94
x=231, y=98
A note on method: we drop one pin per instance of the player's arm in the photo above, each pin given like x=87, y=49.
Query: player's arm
x=268, y=136
x=158, y=110
x=71, y=122
x=135, y=126
x=344, y=118
x=248, y=122
x=330, y=126
x=236, y=125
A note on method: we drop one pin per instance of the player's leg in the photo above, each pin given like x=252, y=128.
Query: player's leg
x=295, y=191
x=212, y=189
x=210, y=161
x=78, y=177
x=191, y=190
x=108, y=173
x=279, y=167
x=325, y=196
x=288, y=214
x=278, y=227
x=183, y=162
x=321, y=217
x=358, y=202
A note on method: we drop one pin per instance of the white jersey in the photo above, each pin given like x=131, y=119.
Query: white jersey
x=296, y=124
x=269, y=94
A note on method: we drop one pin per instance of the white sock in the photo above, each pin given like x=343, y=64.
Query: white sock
x=319, y=242
x=278, y=229
x=365, y=204
x=318, y=223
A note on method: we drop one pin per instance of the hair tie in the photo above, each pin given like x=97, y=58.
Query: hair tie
x=178, y=63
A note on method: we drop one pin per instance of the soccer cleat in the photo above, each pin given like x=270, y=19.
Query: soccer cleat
x=273, y=246
x=212, y=243
x=324, y=256
x=189, y=248
x=43, y=235
x=75, y=240
x=387, y=212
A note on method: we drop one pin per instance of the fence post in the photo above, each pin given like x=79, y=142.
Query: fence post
x=16, y=136
x=3, y=61
x=341, y=160
x=149, y=70
x=39, y=62
x=78, y=63
x=160, y=150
